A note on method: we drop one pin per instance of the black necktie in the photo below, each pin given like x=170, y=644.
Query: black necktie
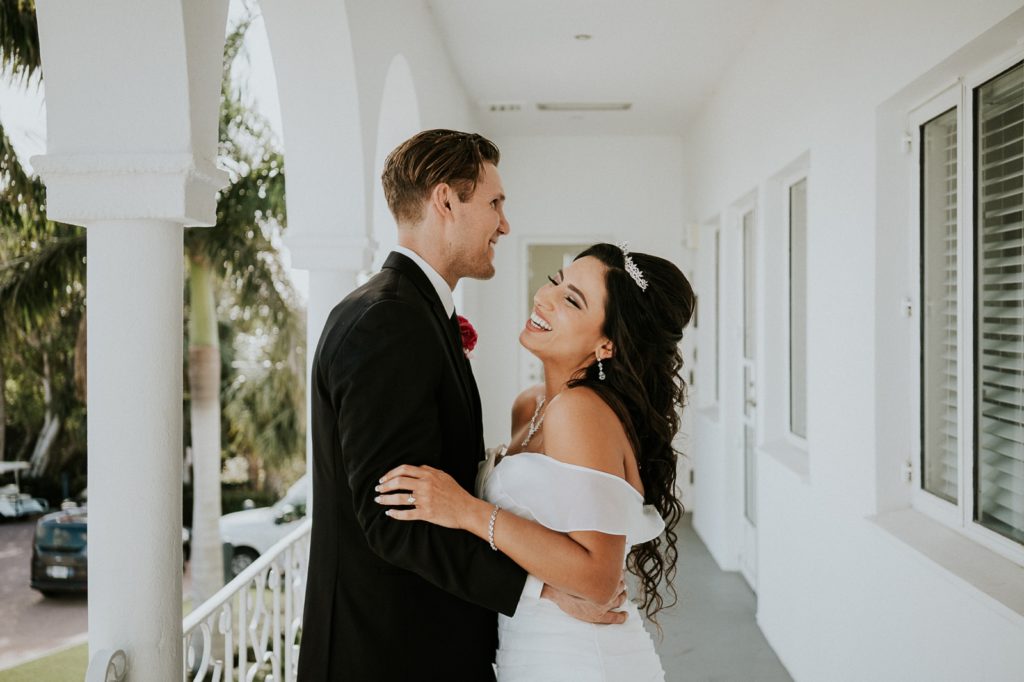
x=456, y=331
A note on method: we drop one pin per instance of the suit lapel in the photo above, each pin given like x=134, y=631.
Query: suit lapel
x=397, y=261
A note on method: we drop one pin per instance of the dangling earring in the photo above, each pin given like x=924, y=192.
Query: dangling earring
x=600, y=369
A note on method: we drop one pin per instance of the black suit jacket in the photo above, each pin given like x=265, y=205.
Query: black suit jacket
x=388, y=599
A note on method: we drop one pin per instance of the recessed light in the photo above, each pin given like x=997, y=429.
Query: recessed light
x=503, y=107
x=584, y=106
x=583, y=36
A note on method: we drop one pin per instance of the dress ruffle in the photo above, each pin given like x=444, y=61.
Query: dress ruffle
x=568, y=497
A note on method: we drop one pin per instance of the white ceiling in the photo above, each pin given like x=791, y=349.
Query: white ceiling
x=664, y=56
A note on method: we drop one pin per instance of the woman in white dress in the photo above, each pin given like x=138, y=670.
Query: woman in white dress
x=587, y=483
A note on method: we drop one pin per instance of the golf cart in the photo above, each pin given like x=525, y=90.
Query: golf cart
x=15, y=504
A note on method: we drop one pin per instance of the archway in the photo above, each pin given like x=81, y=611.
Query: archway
x=398, y=120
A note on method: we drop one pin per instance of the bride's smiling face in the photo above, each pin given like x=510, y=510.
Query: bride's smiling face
x=568, y=315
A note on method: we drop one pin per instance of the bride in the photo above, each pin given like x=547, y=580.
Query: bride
x=588, y=480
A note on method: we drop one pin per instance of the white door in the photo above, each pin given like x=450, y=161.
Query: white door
x=748, y=415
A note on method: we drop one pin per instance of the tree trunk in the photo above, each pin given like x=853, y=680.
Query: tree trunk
x=204, y=388
x=81, y=359
x=3, y=413
x=255, y=466
x=51, y=426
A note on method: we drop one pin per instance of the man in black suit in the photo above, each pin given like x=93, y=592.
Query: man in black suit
x=391, y=385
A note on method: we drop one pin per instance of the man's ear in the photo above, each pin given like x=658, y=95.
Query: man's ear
x=441, y=199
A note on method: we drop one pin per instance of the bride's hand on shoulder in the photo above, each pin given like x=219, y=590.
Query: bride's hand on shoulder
x=433, y=495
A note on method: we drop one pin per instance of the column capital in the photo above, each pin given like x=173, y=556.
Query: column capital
x=88, y=188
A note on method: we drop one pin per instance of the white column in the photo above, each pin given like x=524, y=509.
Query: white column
x=334, y=260
x=135, y=444
x=326, y=289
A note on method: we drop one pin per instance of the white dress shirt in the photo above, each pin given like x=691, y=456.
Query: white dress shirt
x=444, y=292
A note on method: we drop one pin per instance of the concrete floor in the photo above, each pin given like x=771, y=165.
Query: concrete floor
x=711, y=634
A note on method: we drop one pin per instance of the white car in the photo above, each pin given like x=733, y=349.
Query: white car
x=15, y=504
x=253, y=531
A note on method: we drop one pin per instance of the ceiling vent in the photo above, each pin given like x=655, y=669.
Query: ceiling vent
x=503, y=107
x=584, y=106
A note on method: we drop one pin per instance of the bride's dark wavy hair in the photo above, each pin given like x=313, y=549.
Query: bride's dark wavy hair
x=644, y=387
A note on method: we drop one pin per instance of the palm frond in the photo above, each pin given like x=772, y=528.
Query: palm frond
x=19, y=39
x=22, y=197
x=43, y=282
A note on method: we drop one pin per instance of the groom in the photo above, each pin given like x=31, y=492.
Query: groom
x=391, y=384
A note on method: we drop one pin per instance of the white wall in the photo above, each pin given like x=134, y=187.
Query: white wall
x=582, y=189
x=382, y=29
x=838, y=597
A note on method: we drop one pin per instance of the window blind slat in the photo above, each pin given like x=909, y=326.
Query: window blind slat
x=999, y=300
x=939, y=247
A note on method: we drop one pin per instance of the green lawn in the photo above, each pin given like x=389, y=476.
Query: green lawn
x=64, y=666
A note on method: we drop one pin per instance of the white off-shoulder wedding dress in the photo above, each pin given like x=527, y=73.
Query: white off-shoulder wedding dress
x=542, y=643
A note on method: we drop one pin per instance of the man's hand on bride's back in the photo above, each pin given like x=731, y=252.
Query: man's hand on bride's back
x=588, y=611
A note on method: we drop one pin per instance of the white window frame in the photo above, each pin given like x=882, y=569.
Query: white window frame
x=959, y=516
x=787, y=182
x=709, y=334
x=775, y=341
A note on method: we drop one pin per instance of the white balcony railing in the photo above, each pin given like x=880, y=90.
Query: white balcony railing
x=250, y=629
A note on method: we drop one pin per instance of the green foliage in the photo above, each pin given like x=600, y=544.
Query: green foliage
x=66, y=664
x=43, y=275
x=262, y=385
x=19, y=38
x=42, y=305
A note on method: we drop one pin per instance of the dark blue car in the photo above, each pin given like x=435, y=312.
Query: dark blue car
x=59, y=552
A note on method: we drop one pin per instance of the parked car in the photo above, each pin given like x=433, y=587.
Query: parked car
x=60, y=552
x=253, y=531
x=15, y=504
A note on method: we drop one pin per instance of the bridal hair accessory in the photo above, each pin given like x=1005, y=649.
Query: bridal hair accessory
x=469, y=335
x=490, y=528
x=631, y=267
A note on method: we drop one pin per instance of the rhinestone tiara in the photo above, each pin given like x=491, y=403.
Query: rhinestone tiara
x=631, y=267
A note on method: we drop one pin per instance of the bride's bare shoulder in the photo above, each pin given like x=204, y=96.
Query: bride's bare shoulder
x=580, y=428
x=525, y=405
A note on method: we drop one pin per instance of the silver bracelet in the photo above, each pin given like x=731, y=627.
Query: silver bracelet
x=490, y=527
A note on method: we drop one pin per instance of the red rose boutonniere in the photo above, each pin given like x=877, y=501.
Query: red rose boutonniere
x=469, y=336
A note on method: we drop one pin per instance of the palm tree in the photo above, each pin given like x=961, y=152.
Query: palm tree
x=233, y=271
x=42, y=264
x=19, y=37
x=19, y=54
x=232, y=268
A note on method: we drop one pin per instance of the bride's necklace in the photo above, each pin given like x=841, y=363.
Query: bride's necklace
x=534, y=422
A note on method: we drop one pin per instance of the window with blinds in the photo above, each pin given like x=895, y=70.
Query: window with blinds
x=938, y=182
x=999, y=304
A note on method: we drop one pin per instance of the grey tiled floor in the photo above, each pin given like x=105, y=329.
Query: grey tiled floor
x=711, y=635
